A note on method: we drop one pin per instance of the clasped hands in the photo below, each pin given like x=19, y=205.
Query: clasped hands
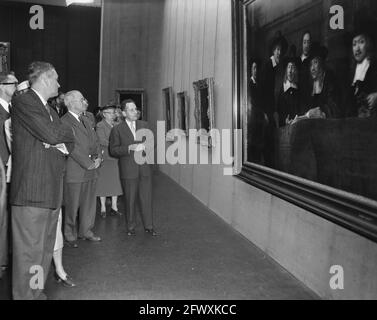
x=95, y=164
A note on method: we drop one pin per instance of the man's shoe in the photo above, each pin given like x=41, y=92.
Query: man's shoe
x=67, y=282
x=115, y=212
x=103, y=214
x=72, y=244
x=152, y=232
x=131, y=233
x=92, y=238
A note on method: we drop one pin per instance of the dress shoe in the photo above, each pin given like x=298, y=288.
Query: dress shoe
x=103, y=214
x=152, y=232
x=131, y=233
x=92, y=238
x=115, y=212
x=72, y=244
x=67, y=282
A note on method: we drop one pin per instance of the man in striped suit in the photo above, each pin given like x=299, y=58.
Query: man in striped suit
x=37, y=180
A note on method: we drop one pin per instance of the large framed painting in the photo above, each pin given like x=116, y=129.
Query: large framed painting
x=305, y=97
x=205, y=111
x=4, y=57
x=183, y=112
x=137, y=95
x=169, y=111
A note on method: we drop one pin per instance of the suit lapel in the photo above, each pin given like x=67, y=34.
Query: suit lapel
x=37, y=99
x=76, y=123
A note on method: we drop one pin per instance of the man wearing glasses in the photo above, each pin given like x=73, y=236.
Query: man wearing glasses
x=8, y=85
x=81, y=174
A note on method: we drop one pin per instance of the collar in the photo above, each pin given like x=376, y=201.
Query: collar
x=274, y=63
x=304, y=57
x=253, y=80
x=361, y=70
x=40, y=97
x=130, y=123
x=287, y=85
x=4, y=104
x=75, y=115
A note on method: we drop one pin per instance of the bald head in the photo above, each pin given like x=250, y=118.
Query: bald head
x=75, y=102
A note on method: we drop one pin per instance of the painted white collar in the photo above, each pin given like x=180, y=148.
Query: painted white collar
x=361, y=70
x=287, y=85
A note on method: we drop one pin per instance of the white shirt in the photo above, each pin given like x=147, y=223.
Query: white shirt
x=4, y=104
x=253, y=80
x=287, y=85
x=361, y=70
x=303, y=57
x=274, y=63
x=132, y=126
x=40, y=97
x=75, y=115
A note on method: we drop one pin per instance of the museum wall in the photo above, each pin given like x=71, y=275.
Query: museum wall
x=193, y=40
x=70, y=40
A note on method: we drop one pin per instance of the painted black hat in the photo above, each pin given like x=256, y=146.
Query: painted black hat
x=279, y=40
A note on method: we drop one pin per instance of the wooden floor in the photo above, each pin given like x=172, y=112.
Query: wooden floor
x=197, y=256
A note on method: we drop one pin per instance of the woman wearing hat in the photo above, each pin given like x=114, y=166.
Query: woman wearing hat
x=108, y=184
x=288, y=104
x=363, y=95
x=323, y=100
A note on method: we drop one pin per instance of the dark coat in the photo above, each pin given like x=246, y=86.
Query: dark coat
x=358, y=93
x=272, y=79
x=288, y=105
x=121, y=138
x=86, y=148
x=4, y=151
x=327, y=100
x=37, y=172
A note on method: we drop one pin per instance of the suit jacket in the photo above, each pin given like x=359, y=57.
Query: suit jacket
x=86, y=148
x=103, y=130
x=37, y=172
x=4, y=151
x=121, y=138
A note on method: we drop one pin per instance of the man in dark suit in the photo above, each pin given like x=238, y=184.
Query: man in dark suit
x=8, y=85
x=135, y=178
x=81, y=176
x=37, y=180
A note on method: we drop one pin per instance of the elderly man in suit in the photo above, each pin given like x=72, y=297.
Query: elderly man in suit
x=37, y=180
x=8, y=85
x=135, y=178
x=81, y=176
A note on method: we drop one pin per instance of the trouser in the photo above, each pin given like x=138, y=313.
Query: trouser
x=79, y=197
x=33, y=233
x=143, y=187
x=4, y=230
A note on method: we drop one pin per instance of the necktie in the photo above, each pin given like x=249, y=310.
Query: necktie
x=82, y=121
x=47, y=107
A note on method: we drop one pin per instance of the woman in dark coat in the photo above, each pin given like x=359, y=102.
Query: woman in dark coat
x=108, y=184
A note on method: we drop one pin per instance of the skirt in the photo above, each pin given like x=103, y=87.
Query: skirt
x=108, y=183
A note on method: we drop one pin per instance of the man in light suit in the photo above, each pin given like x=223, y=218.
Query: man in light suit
x=135, y=178
x=37, y=180
x=81, y=176
x=8, y=85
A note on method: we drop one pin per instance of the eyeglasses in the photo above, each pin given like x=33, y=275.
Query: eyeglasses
x=9, y=83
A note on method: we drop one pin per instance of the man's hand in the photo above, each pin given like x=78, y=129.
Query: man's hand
x=136, y=147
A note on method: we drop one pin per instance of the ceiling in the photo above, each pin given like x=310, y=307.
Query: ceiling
x=96, y=3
